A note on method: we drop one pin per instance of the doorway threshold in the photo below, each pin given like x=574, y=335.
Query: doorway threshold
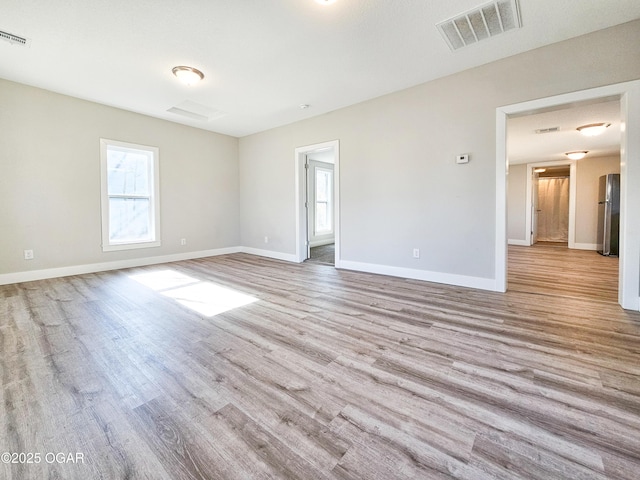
x=544, y=243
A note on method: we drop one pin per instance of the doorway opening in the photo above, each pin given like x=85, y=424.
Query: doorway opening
x=554, y=218
x=318, y=203
x=552, y=206
x=628, y=96
x=550, y=214
x=319, y=168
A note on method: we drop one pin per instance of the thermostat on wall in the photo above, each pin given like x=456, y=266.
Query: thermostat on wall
x=462, y=158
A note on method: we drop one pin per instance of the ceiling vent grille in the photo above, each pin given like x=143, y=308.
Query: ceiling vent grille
x=196, y=111
x=481, y=23
x=547, y=130
x=14, y=39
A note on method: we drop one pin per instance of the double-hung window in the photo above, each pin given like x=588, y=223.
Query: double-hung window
x=130, y=196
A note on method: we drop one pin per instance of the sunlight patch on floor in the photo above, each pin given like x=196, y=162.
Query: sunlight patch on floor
x=205, y=298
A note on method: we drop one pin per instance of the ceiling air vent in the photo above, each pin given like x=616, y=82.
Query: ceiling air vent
x=196, y=111
x=481, y=23
x=14, y=39
x=547, y=130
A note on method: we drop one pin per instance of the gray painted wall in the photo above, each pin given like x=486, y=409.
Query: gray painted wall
x=517, y=202
x=50, y=180
x=400, y=186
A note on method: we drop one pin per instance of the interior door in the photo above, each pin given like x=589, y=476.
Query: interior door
x=535, y=210
x=307, y=204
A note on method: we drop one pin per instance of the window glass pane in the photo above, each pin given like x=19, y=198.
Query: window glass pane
x=129, y=220
x=323, y=221
x=322, y=185
x=128, y=172
x=130, y=207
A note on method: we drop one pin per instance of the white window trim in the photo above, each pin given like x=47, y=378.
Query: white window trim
x=107, y=245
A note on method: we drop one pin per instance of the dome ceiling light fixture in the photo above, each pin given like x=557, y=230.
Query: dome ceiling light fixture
x=187, y=75
x=577, y=155
x=593, y=129
x=325, y=2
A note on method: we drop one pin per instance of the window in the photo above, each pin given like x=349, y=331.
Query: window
x=130, y=200
x=324, y=201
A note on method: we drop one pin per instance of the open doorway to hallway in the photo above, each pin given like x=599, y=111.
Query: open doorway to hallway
x=320, y=180
x=318, y=205
x=628, y=93
x=553, y=200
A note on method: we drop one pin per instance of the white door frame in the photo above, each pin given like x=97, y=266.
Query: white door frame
x=301, y=196
x=629, y=95
x=572, y=198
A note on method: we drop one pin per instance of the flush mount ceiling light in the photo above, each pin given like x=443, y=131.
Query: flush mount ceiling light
x=325, y=2
x=188, y=75
x=578, y=155
x=593, y=129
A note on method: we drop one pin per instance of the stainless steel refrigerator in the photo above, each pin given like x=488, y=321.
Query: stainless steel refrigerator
x=609, y=214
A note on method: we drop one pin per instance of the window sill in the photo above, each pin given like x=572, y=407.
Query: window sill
x=130, y=246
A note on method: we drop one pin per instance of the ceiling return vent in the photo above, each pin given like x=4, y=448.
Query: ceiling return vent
x=540, y=131
x=195, y=111
x=481, y=23
x=14, y=39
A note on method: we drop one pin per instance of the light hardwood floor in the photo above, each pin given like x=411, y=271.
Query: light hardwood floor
x=329, y=374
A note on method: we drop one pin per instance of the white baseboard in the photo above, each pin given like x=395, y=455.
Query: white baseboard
x=425, y=275
x=437, y=277
x=522, y=243
x=29, y=276
x=287, y=257
x=585, y=246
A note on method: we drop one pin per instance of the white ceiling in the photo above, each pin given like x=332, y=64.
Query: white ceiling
x=262, y=58
x=524, y=145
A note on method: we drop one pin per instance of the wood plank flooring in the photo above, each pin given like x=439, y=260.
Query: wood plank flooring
x=553, y=269
x=325, y=254
x=328, y=374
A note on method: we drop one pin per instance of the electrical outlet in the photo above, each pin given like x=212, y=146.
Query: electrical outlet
x=266, y=239
x=463, y=158
x=28, y=254
x=183, y=241
x=416, y=253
